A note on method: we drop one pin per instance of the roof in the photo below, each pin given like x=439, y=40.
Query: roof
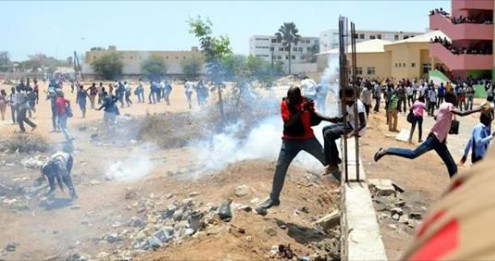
x=371, y=46
x=423, y=38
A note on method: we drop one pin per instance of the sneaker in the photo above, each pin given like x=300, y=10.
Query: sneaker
x=379, y=154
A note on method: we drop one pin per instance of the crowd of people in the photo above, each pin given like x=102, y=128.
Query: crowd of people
x=462, y=19
x=461, y=50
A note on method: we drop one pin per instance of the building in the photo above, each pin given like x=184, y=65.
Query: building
x=469, y=51
x=329, y=39
x=267, y=48
x=382, y=59
x=133, y=59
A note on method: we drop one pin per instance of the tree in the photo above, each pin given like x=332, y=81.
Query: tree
x=215, y=49
x=191, y=67
x=5, y=63
x=154, y=67
x=288, y=34
x=108, y=66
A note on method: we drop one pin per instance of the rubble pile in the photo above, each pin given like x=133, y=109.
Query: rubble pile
x=391, y=208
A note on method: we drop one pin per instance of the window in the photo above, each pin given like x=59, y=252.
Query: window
x=293, y=57
x=361, y=36
x=280, y=48
x=279, y=57
x=413, y=65
x=395, y=65
x=308, y=49
x=372, y=37
x=379, y=36
x=406, y=36
x=356, y=36
x=300, y=49
x=272, y=49
x=400, y=65
x=404, y=65
x=359, y=70
x=294, y=49
x=371, y=71
x=274, y=40
x=308, y=41
x=286, y=57
x=396, y=37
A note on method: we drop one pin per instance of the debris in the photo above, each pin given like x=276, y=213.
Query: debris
x=11, y=247
x=305, y=210
x=400, y=203
x=261, y=211
x=329, y=221
x=169, y=212
x=165, y=234
x=154, y=243
x=381, y=187
x=32, y=163
x=131, y=194
x=75, y=207
x=169, y=196
x=392, y=226
x=94, y=182
x=83, y=128
x=416, y=216
x=195, y=220
x=398, y=187
x=397, y=210
x=194, y=194
x=225, y=212
x=136, y=222
x=178, y=215
x=242, y=191
x=112, y=238
x=403, y=135
x=396, y=217
x=271, y=232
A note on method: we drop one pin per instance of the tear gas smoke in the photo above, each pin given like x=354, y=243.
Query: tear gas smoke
x=136, y=166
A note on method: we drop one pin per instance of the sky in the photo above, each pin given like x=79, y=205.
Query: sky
x=58, y=28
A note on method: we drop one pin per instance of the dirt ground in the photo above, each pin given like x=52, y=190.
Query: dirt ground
x=423, y=179
x=80, y=229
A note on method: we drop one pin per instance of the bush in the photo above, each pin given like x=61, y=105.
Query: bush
x=154, y=67
x=108, y=67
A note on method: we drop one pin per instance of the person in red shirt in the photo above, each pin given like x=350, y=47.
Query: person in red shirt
x=62, y=107
x=298, y=115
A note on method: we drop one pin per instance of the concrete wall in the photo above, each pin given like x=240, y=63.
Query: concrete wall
x=379, y=61
x=407, y=59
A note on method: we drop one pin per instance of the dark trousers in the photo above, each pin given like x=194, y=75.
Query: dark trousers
x=417, y=120
x=152, y=97
x=21, y=118
x=410, y=101
x=377, y=105
x=401, y=105
x=440, y=100
x=469, y=105
x=367, y=108
x=288, y=151
x=431, y=108
x=432, y=143
x=330, y=134
x=67, y=179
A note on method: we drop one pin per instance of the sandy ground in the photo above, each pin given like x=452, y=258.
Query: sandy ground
x=424, y=179
x=62, y=227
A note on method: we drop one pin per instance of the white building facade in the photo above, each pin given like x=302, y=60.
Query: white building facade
x=266, y=47
x=329, y=39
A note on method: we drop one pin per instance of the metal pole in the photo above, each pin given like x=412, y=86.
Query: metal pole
x=343, y=83
x=356, y=91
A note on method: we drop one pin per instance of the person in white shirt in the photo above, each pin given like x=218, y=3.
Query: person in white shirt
x=410, y=95
x=189, y=91
x=432, y=100
x=334, y=132
x=377, y=94
x=366, y=98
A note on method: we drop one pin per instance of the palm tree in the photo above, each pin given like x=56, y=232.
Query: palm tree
x=288, y=35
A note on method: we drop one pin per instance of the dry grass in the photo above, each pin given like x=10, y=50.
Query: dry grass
x=24, y=143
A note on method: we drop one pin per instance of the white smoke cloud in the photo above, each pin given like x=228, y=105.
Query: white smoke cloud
x=136, y=166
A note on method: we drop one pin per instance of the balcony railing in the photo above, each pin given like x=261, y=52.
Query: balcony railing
x=464, y=31
x=472, y=4
x=462, y=61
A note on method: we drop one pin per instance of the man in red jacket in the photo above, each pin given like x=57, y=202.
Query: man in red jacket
x=299, y=115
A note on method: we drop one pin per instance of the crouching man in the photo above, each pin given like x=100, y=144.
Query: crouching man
x=57, y=169
x=298, y=115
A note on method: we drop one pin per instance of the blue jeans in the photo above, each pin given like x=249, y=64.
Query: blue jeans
x=288, y=151
x=432, y=143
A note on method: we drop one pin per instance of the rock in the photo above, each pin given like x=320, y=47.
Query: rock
x=169, y=212
x=271, y=232
x=415, y=215
x=400, y=203
x=83, y=128
x=154, y=243
x=261, y=211
x=169, y=196
x=136, y=222
x=131, y=195
x=329, y=221
x=140, y=235
x=102, y=255
x=225, y=212
x=397, y=187
x=178, y=215
x=195, y=220
x=392, y=226
x=94, y=137
x=112, y=238
x=381, y=187
x=165, y=234
x=242, y=191
x=282, y=226
x=194, y=194
x=397, y=210
x=189, y=232
x=305, y=258
x=94, y=182
x=396, y=217
x=11, y=247
x=305, y=210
